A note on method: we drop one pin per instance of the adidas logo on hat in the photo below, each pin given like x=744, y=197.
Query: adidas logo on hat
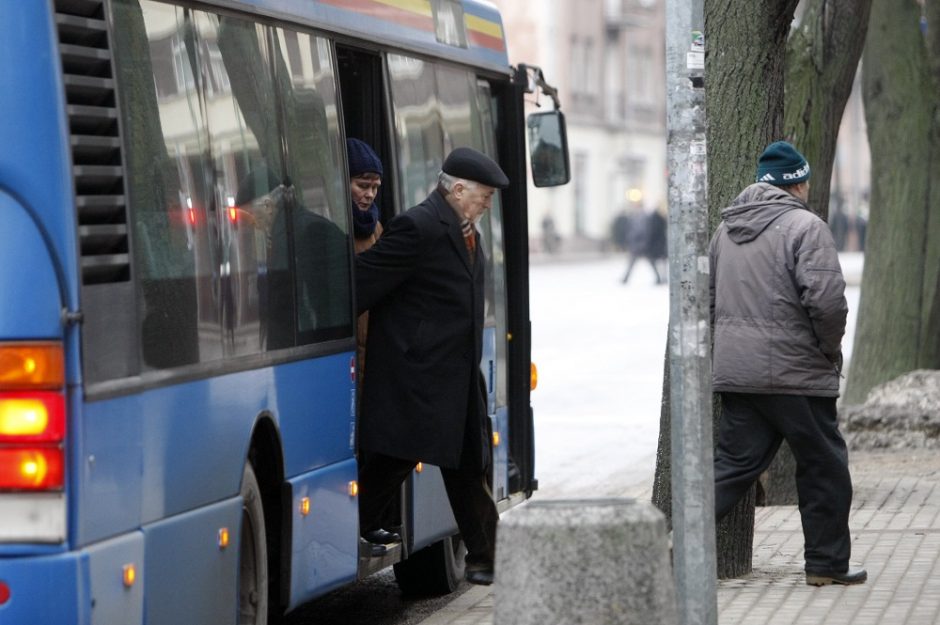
x=782, y=164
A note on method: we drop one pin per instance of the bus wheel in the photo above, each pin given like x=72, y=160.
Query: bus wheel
x=435, y=570
x=252, y=555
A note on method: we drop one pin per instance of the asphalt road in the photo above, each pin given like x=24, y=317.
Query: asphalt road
x=375, y=600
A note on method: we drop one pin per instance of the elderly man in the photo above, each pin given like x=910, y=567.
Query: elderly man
x=779, y=313
x=423, y=399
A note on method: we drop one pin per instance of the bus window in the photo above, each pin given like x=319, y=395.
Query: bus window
x=455, y=96
x=308, y=92
x=240, y=233
x=417, y=124
x=169, y=186
x=255, y=286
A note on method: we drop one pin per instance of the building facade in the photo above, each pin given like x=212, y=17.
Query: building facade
x=607, y=58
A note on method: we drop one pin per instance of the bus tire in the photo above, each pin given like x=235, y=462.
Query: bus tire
x=435, y=570
x=252, y=555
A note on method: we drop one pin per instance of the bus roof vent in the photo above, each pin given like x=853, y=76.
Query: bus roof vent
x=97, y=165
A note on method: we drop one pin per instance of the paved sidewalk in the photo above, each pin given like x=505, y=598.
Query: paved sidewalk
x=895, y=526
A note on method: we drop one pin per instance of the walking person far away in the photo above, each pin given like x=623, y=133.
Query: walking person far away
x=778, y=311
x=424, y=398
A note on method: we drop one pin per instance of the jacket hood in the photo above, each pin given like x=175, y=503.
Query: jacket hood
x=755, y=209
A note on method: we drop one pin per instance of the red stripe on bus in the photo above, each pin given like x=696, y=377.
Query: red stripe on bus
x=486, y=41
x=382, y=11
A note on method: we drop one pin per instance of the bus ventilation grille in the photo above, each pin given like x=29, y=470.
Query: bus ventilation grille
x=97, y=166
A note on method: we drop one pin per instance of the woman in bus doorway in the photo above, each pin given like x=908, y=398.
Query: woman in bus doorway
x=365, y=179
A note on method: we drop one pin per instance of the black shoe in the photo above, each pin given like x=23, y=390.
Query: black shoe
x=826, y=578
x=382, y=537
x=371, y=550
x=481, y=576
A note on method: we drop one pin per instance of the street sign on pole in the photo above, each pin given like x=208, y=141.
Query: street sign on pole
x=693, y=489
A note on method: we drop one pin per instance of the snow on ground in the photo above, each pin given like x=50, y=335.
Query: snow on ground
x=599, y=346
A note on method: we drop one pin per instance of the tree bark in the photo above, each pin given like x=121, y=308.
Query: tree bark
x=898, y=326
x=822, y=59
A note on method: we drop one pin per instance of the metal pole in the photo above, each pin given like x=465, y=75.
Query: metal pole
x=693, y=490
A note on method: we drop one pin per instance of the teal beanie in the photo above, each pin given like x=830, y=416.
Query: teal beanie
x=782, y=165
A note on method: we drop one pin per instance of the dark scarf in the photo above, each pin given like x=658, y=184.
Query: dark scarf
x=364, y=221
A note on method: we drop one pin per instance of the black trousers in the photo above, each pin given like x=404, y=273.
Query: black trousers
x=751, y=429
x=381, y=476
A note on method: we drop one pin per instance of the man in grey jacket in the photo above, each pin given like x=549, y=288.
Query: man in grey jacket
x=778, y=312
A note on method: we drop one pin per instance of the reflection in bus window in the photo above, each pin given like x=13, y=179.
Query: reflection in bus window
x=307, y=89
x=236, y=186
x=246, y=154
x=167, y=178
x=417, y=123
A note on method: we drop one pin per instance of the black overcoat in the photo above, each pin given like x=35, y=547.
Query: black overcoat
x=422, y=395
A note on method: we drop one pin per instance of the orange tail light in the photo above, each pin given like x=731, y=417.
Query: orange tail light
x=32, y=416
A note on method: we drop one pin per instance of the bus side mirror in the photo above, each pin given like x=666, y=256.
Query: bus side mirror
x=548, y=149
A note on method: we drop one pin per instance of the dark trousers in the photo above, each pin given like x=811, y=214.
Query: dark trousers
x=751, y=429
x=381, y=476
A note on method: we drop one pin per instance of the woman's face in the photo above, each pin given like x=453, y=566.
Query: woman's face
x=364, y=188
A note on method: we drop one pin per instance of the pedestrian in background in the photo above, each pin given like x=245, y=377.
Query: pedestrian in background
x=778, y=312
x=424, y=398
x=645, y=237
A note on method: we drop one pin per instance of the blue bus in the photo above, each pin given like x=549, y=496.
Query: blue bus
x=177, y=327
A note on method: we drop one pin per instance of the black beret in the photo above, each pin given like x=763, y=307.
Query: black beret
x=469, y=164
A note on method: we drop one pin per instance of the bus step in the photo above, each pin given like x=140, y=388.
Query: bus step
x=369, y=564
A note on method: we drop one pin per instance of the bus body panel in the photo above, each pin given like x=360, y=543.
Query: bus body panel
x=46, y=589
x=162, y=452
x=111, y=600
x=34, y=161
x=431, y=516
x=189, y=577
x=324, y=543
x=32, y=305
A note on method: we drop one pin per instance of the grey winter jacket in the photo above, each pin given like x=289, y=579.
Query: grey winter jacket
x=777, y=298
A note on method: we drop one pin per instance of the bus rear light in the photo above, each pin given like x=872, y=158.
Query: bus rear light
x=4, y=592
x=31, y=365
x=32, y=416
x=533, y=376
x=31, y=468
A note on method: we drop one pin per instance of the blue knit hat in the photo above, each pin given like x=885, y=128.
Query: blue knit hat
x=362, y=158
x=782, y=165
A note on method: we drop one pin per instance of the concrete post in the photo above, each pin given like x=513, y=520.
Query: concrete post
x=593, y=561
x=693, y=490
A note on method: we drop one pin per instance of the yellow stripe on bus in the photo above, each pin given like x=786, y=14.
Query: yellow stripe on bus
x=484, y=26
x=421, y=7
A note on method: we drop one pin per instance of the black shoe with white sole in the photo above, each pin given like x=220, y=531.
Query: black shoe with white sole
x=826, y=578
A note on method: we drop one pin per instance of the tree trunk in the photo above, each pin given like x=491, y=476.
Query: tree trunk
x=744, y=65
x=899, y=312
x=822, y=58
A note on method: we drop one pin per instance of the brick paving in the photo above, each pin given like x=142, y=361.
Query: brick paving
x=895, y=526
